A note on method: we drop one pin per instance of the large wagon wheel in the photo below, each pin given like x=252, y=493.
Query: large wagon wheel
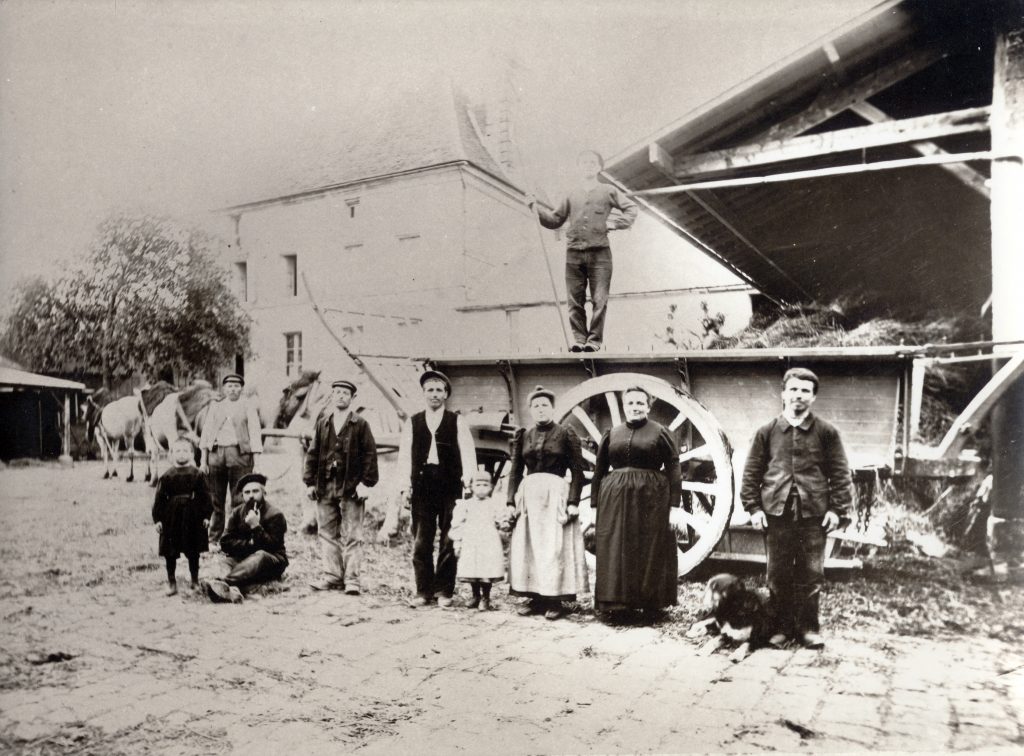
x=702, y=515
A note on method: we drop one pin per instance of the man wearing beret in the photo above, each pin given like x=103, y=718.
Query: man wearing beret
x=436, y=460
x=231, y=441
x=340, y=462
x=253, y=542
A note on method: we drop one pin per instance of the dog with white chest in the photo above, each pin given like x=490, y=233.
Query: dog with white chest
x=734, y=613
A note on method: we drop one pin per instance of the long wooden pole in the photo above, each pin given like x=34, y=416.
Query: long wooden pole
x=387, y=391
x=551, y=278
x=839, y=170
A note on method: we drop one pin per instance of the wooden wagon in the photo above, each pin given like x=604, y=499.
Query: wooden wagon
x=713, y=401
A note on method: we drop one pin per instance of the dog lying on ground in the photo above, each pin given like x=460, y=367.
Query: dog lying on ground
x=733, y=612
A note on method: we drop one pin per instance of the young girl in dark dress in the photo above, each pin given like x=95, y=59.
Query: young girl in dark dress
x=181, y=511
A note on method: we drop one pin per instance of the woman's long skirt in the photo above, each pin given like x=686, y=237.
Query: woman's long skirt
x=546, y=557
x=636, y=550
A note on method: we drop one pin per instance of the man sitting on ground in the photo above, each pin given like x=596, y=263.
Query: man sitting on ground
x=253, y=542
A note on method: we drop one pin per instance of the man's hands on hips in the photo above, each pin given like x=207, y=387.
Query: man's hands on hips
x=830, y=521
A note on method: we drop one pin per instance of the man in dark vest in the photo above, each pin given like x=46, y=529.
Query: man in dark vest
x=342, y=459
x=436, y=459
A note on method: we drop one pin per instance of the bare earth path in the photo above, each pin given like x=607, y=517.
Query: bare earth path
x=291, y=671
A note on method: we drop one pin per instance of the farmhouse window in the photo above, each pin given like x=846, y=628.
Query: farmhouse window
x=293, y=354
x=291, y=269
x=242, y=281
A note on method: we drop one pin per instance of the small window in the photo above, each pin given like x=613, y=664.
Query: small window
x=293, y=354
x=291, y=277
x=352, y=203
x=242, y=281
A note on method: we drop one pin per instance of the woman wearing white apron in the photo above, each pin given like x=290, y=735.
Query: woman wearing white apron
x=546, y=558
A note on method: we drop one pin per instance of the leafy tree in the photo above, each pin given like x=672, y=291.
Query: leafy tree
x=149, y=296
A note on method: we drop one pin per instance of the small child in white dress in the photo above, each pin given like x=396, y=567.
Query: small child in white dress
x=476, y=522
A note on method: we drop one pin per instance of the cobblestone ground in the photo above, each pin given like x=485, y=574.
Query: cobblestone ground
x=327, y=673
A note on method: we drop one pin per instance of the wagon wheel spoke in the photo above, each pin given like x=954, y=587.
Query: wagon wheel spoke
x=588, y=474
x=587, y=423
x=677, y=422
x=700, y=524
x=613, y=407
x=711, y=489
x=589, y=456
x=698, y=453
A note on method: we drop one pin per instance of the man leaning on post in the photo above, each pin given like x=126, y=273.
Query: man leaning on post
x=796, y=483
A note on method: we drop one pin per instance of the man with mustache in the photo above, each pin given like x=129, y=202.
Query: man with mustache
x=797, y=484
x=253, y=542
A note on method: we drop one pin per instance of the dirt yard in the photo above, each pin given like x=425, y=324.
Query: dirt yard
x=95, y=659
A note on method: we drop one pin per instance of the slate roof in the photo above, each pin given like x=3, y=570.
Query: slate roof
x=387, y=129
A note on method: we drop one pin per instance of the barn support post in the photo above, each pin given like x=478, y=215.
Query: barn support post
x=1008, y=276
x=65, y=445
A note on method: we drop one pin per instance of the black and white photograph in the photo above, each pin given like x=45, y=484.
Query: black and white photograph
x=511, y=376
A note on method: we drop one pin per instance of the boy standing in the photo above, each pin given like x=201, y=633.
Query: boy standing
x=796, y=483
x=588, y=257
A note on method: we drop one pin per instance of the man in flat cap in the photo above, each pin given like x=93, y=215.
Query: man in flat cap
x=340, y=463
x=436, y=460
x=230, y=444
x=253, y=542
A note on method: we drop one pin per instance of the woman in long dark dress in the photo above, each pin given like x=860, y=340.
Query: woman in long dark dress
x=636, y=550
x=546, y=557
x=181, y=512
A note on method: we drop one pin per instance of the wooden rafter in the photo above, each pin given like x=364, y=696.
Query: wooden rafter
x=769, y=151
x=967, y=175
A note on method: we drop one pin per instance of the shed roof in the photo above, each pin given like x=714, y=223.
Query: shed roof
x=908, y=240
x=393, y=128
x=23, y=378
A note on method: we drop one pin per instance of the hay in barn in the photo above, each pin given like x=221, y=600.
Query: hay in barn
x=947, y=388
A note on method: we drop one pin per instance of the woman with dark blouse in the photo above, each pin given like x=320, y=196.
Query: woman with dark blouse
x=546, y=558
x=636, y=550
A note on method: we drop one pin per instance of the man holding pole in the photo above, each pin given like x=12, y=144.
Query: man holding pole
x=588, y=256
x=341, y=459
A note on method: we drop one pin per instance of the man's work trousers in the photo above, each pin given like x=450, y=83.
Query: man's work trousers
x=259, y=567
x=585, y=267
x=796, y=571
x=227, y=466
x=432, y=507
x=341, y=520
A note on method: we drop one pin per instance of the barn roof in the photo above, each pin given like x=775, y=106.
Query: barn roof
x=394, y=128
x=907, y=241
x=11, y=377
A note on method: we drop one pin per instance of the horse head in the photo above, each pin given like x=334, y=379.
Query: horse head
x=293, y=397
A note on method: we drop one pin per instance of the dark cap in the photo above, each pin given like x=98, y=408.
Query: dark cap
x=345, y=384
x=250, y=478
x=539, y=392
x=232, y=378
x=436, y=375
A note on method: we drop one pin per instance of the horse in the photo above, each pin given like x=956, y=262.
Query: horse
x=112, y=422
x=178, y=414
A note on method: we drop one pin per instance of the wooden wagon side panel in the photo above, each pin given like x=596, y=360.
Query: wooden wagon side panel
x=860, y=399
x=741, y=397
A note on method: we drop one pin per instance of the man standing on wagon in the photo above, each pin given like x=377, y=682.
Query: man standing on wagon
x=588, y=257
x=796, y=483
x=341, y=459
x=231, y=442
x=436, y=462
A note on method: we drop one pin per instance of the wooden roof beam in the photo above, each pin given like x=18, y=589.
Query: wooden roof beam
x=768, y=151
x=964, y=173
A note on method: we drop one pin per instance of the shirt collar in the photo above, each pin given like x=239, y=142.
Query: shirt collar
x=804, y=426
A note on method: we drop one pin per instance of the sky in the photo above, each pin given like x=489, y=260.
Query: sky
x=165, y=106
